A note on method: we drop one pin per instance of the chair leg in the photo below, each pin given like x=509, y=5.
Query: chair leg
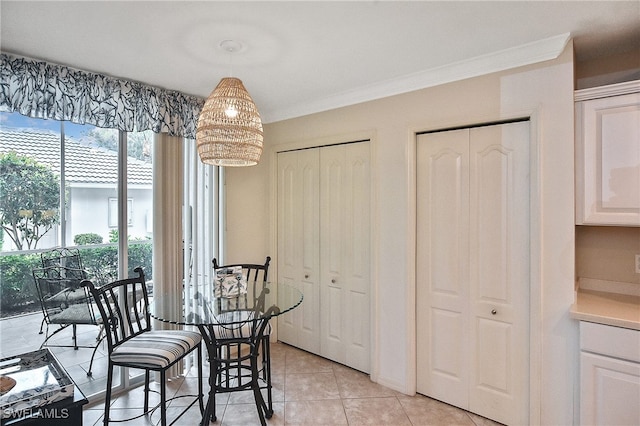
x=100, y=336
x=107, y=398
x=200, y=389
x=266, y=354
x=146, y=390
x=255, y=386
x=213, y=383
x=75, y=338
x=49, y=336
x=163, y=398
x=89, y=373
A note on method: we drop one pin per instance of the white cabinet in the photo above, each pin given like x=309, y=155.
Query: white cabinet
x=608, y=155
x=609, y=375
x=324, y=249
x=472, y=275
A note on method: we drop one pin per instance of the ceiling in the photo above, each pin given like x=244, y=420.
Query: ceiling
x=300, y=57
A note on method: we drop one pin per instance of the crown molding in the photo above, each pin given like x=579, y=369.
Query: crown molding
x=526, y=54
x=617, y=89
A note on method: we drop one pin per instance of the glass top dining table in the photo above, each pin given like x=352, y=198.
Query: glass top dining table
x=229, y=322
x=261, y=300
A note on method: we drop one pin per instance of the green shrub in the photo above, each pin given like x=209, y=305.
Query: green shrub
x=89, y=238
x=17, y=288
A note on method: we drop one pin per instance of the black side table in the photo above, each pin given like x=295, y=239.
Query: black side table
x=66, y=412
x=39, y=392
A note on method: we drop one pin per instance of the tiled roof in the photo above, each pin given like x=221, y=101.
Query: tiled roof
x=83, y=164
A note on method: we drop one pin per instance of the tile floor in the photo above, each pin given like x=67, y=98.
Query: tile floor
x=307, y=390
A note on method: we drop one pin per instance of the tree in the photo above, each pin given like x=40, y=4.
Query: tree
x=29, y=199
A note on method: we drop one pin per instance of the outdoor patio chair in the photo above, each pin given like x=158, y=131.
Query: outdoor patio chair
x=69, y=258
x=66, y=303
x=63, y=256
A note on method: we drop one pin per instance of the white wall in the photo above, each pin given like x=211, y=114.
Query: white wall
x=544, y=92
x=89, y=212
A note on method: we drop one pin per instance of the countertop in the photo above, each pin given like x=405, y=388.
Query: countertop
x=619, y=310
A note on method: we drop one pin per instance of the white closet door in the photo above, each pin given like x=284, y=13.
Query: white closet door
x=442, y=266
x=344, y=254
x=473, y=269
x=298, y=245
x=499, y=272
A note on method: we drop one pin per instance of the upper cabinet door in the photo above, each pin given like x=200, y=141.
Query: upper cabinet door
x=608, y=157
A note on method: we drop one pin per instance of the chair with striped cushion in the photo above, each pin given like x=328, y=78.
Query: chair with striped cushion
x=232, y=339
x=124, y=308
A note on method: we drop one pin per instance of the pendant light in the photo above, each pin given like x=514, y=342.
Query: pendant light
x=229, y=131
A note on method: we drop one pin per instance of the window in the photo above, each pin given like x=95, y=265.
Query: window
x=71, y=195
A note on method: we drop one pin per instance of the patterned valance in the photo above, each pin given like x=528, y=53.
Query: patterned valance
x=44, y=90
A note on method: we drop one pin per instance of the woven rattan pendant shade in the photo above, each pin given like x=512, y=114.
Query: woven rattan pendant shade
x=229, y=129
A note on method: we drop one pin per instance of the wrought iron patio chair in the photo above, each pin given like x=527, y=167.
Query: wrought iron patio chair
x=65, y=302
x=69, y=258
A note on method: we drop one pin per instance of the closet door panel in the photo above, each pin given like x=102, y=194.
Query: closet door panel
x=356, y=308
x=287, y=238
x=499, y=271
x=309, y=238
x=333, y=293
x=442, y=252
x=298, y=244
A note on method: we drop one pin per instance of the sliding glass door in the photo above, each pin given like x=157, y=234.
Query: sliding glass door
x=74, y=186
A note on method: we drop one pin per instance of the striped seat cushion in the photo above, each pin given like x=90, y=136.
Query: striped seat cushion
x=156, y=348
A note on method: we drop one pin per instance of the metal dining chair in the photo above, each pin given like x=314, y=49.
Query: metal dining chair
x=234, y=339
x=124, y=307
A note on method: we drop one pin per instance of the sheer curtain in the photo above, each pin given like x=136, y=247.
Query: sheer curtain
x=188, y=226
x=204, y=223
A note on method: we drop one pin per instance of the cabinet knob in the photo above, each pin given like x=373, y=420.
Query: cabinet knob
x=333, y=280
x=306, y=275
x=493, y=312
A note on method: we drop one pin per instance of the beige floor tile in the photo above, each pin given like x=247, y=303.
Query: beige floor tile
x=247, y=415
x=304, y=362
x=190, y=418
x=132, y=414
x=355, y=384
x=426, y=411
x=311, y=386
x=187, y=392
x=91, y=417
x=325, y=412
x=375, y=411
x=482, y=421
x=316, y=390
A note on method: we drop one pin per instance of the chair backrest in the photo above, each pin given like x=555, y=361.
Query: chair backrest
x=66, y=257
x=252, y=273
x=59, y=289
x=124, y=307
